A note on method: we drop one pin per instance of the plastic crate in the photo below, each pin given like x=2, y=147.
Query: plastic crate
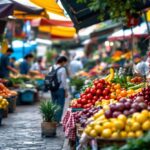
x=40, y=84
x=1, y=116
x=27, y=96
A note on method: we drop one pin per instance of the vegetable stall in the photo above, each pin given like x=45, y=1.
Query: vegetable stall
x=110, y=111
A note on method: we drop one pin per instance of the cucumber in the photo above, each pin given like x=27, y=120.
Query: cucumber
x=136, y=86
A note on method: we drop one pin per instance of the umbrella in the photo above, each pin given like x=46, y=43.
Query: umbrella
x=6, y=8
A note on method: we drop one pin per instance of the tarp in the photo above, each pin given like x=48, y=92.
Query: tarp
x=47, y=22
x=49, y=5
x=68, y=32
x=6, y=8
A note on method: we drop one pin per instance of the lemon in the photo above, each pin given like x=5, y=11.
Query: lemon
x=115, y=135
x=146, y=125
x=88, y=130
x=131, y=135
x=135, y=115
x=93, y=133
x=122, y=118
x=106, y=107
x=98, y=129
x=119, y=124
x=108, y=125
x=130, y=121
x=135, y=126
x=139, y=133
x=145, y=113
x=127, y=128
x=141, y=118
x=106, y=133
x=123, y=134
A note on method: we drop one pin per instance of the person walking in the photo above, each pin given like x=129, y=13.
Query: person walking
x=59, y=95
x=5, y=66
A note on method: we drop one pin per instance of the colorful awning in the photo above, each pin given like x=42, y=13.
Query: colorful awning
x=47, y=22
x=49, y=5
x=68, y=32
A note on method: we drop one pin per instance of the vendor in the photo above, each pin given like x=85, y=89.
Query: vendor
x=12, y=62
x=37, y=67
x=5, y=66
x=26, y=64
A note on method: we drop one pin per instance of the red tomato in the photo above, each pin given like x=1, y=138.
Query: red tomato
x=107, y=90
x=93, y=91
x=84, y=96
x=93, y=102
x=98, y=92
x=79, y=101
x=89, y=96
x=96, y=82
x=87, y=90
x=88, y=101
x=102, y=81
x=83, y=101
x=95, y=98
x=99, y=86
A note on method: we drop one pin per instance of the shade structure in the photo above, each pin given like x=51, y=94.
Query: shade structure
x=6, y=8
x=58, y=31
x=47, y=22
x=24, y=9
x=139, y=31
x=49, y=5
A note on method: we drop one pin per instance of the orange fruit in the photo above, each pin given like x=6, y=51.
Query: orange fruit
x=112, y=95
x=118, y=91
x=135, y=126
x=98, y=128
x=131, y=135
x=123, y=134
x=139, y=133
x=115, y=135
x=123, y=93
x=117, y=86
x=122, y=118
x=141, y=118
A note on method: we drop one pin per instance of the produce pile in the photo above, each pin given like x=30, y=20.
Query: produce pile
x=5, y=92
x=116, y=107
x=3, y=103
x=106, y=89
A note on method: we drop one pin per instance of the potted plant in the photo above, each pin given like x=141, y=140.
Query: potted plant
x=48, y=110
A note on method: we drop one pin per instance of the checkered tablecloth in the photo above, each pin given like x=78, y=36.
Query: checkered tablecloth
x=69, y=126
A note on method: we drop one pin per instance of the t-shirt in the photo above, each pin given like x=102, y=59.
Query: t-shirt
x=61, y=75
x=4, y=63
x=35, y=67
x=24, y=67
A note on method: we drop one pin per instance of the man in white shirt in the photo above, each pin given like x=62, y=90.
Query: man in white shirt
x=59, y=95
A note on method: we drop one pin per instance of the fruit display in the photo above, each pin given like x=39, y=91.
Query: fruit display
x=3, y=103
x=5, y=92
x=119, y=127
x=83, y=116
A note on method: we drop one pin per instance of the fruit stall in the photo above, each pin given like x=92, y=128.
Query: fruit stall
x=109, y=111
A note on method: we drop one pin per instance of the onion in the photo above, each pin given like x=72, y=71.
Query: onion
x=116, y=114
x=142, y=105
x=139, y=99
x=120, y=106
x=108, y=113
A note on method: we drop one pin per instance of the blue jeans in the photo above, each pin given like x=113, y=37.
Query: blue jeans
x=58, y=97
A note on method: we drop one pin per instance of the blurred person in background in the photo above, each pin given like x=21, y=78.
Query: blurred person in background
x=5, y=66
x=37, y=67
x=59, y=95
x=12, y=62
x=75, y=65
x=26, y=64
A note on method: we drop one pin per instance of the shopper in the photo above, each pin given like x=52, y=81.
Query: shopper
x=59, y=95
x=26, y=64
x=5, y=66
x=75, y=65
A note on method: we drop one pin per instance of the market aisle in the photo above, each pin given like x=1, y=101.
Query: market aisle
x=21, y=131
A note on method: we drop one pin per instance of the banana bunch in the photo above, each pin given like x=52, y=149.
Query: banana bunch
x=110, y=76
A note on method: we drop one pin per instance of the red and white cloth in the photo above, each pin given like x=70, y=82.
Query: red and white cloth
x=69, y=125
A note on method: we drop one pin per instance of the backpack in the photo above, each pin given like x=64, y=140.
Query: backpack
x=51, y=80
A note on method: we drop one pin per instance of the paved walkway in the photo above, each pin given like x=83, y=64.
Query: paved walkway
x=21, y=131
